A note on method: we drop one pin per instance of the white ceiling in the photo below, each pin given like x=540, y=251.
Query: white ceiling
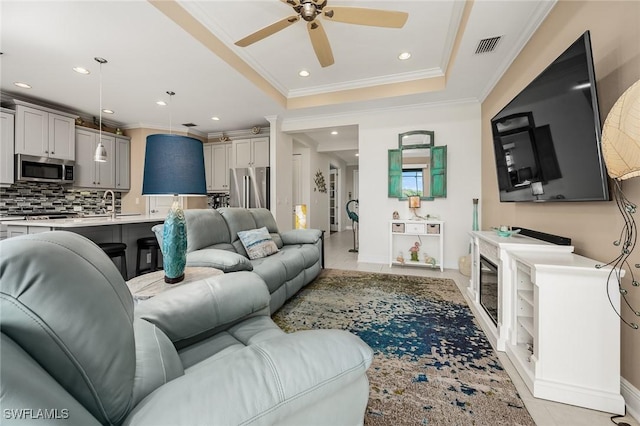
x=150, y=52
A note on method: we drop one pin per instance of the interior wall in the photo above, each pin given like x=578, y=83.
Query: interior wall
x=318, y=208
x=592, y=226
x=455, y=125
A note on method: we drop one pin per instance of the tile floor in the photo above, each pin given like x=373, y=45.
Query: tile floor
x=544, y=413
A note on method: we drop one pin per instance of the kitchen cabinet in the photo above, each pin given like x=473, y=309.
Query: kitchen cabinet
x=7, y=132
x=44, y=132
x=252, y=152
x=217, y=160
x=93, y=174
x=123, y=163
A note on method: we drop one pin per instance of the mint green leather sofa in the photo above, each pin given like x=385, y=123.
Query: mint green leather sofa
x=212, y=240
x=77, y=350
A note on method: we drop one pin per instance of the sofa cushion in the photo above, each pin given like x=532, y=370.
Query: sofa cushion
x=309, y=253
x=263, y=217
x=224, y=260
x=205, y=227
x=258, y=243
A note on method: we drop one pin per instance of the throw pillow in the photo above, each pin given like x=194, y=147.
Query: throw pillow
x=258, y=243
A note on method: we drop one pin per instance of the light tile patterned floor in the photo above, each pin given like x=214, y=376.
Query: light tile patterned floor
x=544, y=413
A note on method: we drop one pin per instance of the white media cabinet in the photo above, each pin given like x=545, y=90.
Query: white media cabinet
x=555, y=321
x=429, y=233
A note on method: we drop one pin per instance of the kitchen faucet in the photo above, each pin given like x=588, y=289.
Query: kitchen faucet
x=113, y=202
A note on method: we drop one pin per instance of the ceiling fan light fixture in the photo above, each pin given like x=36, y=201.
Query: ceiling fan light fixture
x=304, y=73
x=404, y=56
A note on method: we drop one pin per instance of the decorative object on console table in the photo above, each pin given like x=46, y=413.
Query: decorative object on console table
x=414, y=203
x=174, y=165
x=620, y=142
x=474, y=226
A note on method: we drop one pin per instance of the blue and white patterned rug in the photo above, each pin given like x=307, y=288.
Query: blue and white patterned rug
x=432, y=366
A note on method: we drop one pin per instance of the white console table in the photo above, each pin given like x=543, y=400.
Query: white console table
x=554, y=319
x=428, y=233
x=565, y=339
x=498, y=251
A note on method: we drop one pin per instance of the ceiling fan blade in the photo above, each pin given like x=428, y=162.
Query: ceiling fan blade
x=267, y=31
x=292, y=3
x=363, y=16
x=320, y=43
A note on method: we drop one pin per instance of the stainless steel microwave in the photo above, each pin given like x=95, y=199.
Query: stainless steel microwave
x=44, y=169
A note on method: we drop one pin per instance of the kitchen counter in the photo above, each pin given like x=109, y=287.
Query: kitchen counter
x=125, y=228
x=90, y=221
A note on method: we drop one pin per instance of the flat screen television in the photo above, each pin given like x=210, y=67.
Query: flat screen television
x=547, y=139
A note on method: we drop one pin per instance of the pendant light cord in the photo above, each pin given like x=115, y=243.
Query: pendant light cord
x=170, y=93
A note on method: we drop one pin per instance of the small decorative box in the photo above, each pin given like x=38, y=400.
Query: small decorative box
x=397, y=227
x=433, y=228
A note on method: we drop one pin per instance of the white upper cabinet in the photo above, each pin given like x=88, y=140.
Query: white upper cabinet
x=123, y=163
x=89, y=173
x=44, y=132
x=252, y=152
x=6, y=147
x=221, y=154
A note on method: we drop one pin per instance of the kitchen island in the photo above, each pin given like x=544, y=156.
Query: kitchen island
x=125, y=228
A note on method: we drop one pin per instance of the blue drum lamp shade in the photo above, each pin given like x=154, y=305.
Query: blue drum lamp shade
x=174, y=165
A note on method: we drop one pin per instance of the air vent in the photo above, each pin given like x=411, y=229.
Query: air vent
x=488, y=44
x=189, y=125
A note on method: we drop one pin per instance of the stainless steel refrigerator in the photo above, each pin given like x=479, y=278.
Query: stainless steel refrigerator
x=249, y=187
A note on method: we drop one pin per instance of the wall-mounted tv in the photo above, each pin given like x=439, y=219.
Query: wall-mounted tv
x=547, y=139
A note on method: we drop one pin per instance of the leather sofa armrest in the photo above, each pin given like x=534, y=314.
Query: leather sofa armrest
x=301, y=236
x=198, y=309
x=226, y=261
x=267, y=383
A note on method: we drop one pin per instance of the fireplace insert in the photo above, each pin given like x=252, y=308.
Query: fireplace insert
x=489, y=288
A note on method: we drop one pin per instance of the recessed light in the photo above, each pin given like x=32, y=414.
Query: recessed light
x=81, y=70
x=304, y=73
x=22, y=85
x=404, y=56
x=357, y=155
x=162, y=103
x=335, y=132
x=107, y=111
x=215, y=118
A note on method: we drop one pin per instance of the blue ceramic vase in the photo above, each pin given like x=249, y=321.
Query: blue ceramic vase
x=174, y=245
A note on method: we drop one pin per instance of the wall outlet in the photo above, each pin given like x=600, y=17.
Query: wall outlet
x=77, y=208
x=148, y=257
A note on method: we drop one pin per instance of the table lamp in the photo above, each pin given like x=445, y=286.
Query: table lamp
x=174, y=165
x=414, y=203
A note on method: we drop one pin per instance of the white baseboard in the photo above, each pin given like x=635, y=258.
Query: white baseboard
x=631, y=396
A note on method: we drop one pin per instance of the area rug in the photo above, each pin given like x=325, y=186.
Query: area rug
x=432, y=365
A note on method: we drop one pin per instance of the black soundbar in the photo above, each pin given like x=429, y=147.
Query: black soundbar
x=550, y=238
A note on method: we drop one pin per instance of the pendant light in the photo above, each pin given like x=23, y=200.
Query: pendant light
x=101, y=152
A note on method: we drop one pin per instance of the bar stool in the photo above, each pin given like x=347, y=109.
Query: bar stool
x=149, y=244
x=114, y=250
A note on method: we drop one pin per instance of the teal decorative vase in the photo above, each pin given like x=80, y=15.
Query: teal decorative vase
x=474, y=226
x=174, y=245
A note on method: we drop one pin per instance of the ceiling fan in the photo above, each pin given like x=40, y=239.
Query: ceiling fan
x=310, y=9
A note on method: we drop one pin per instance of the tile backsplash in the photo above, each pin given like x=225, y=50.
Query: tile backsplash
x=37, y=197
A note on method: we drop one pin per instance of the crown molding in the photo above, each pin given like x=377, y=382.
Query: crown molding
x=240, y=134
x=366, y=82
